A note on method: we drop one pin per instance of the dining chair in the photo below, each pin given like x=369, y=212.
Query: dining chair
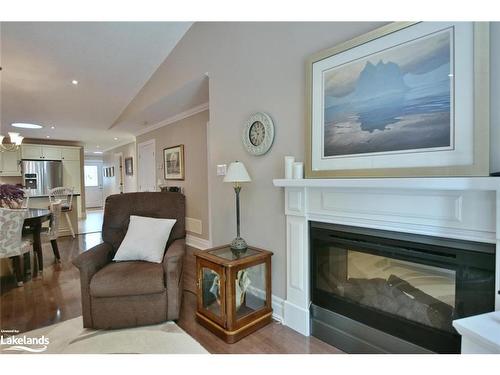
x=65, y=195
x=11, y=244
x=52, y=232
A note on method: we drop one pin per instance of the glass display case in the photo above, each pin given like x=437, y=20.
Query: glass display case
x=234, y=291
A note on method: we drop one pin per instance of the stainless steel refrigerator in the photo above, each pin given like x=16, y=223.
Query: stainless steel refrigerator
x=39, y=176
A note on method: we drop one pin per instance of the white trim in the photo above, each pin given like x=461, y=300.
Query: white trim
x=124, y=143
x=138, y=148
x=180, y=116
x=466, y=208
x=278, y=308
x=276, y=302
x=433, y=183
x=209, y=184
x=198, y=242
x=297, y=318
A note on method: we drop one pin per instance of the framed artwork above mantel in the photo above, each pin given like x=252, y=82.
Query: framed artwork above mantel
x=405, y=100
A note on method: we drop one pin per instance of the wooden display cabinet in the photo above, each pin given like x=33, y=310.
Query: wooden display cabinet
x=234, y=291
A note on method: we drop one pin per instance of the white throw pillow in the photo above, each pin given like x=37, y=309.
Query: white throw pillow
x=145, y=239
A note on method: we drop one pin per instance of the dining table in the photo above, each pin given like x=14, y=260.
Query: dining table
x=33, y=227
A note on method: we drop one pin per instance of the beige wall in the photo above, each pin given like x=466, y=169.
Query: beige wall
x=11, y=180
x=254, y=67
x=192, y=133
x=111, y=184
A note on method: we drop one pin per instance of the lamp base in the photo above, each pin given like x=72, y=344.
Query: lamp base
x=239, y=244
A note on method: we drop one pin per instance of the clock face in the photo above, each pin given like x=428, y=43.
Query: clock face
x=257, y=133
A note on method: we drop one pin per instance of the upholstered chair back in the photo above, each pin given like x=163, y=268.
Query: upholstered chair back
x=119, y=207
x=11, y=230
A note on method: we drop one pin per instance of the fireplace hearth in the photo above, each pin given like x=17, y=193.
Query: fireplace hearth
x=379, y=291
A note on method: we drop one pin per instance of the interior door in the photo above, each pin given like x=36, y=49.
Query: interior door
x=93, y=183
x=146, y=166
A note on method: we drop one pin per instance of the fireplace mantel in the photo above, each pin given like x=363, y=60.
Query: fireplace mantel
x=466, y=208
x=430, y=183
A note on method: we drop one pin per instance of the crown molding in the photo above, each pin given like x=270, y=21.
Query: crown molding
x=124, y=143
x=180, y=116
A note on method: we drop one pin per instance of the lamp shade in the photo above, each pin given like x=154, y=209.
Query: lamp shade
x=237, y=173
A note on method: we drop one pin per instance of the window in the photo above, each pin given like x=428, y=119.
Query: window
x=91, y=176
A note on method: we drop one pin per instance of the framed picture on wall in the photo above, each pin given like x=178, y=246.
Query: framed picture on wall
x=407, y=99
x=129, y=166
x=173, y=160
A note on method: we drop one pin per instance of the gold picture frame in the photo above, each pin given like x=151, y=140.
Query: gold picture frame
x=173, y=162
x=480, y=116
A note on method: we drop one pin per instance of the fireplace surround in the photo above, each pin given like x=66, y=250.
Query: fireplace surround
x=456, y=209
x=409, y=286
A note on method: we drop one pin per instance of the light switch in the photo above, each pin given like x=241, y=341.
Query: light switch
x=221, y=169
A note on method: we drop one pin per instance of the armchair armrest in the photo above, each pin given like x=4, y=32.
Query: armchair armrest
x=172, y=267
x=94, y=259
x=89, y=263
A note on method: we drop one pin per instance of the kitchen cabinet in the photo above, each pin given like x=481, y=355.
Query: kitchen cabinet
x=70, y=157
x=41, y=152
x=72, y=175
x=10, y=163
x=70, y=153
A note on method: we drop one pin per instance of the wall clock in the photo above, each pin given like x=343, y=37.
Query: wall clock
x=258, y=134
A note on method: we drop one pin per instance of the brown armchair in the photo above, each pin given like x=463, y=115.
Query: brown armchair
x=127, y=294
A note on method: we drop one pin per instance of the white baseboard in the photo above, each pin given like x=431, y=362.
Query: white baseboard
x=296, y=318
x=278, y=309
x=198, y=242
x=276, y=302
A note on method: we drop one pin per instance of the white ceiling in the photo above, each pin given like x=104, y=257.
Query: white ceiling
x=193, y=94
x=111, y=61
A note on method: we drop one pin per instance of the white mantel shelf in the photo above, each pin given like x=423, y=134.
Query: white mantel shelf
x=426, y=183
x=463, y=208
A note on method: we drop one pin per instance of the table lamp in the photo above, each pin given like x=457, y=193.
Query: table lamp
x=237, y=173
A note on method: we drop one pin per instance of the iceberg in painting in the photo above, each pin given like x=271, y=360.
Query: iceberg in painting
x=396, y=100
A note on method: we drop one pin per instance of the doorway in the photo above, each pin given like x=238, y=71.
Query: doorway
x=93, y=183
x=147, y=166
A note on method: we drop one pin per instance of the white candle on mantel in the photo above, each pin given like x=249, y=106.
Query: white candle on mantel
x=298, y=170
x=289, y=160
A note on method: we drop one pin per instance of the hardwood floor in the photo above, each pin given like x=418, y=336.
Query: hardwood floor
x=56, y=297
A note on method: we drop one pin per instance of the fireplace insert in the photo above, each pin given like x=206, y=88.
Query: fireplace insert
x=380, y=291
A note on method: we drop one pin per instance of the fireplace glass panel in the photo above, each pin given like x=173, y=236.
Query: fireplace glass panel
x=414, y=291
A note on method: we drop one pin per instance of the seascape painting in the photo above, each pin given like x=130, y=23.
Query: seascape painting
x=396, y=100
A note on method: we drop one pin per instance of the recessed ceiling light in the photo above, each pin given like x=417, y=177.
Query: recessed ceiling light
x=74, y=82
x=98, y=146
x=47, y=136
x=115, y=138
x=97, y=152
x=52, y=127
x=26, y=125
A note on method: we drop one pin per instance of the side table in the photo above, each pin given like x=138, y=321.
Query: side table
x=234, y=291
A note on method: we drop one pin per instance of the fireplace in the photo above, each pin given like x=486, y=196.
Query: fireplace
x=382, y=291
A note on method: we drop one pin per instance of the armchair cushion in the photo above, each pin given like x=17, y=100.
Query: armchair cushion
x=146, y=239
x=128, y=279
